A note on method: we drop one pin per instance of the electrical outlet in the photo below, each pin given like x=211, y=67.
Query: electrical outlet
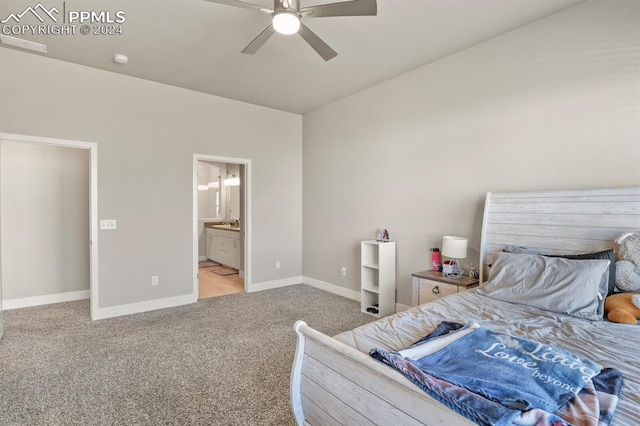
x=154, y=280
x=343, y=271
x=277, y=264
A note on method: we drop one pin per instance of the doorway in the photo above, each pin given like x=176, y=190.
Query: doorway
x=221, y=225
x=49, y=233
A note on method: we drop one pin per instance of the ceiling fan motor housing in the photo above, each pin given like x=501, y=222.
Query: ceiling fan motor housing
x=292, y=6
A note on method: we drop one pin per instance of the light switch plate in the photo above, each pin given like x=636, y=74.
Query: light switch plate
x=108, y=224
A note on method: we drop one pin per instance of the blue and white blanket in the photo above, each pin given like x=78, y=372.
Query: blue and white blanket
x=496, y=379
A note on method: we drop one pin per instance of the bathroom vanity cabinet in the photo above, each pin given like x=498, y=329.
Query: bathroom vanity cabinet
x=223, y=246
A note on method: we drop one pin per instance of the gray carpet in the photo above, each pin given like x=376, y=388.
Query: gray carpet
x=222, y=361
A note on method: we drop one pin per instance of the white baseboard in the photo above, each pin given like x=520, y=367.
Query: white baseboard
x=241, y=273
x=150, y=305
x=169, y=302
x=202, y=258
x=47, y=299
x=268, y=285
x=322, y=285
x=332, y=288
x=344, y=292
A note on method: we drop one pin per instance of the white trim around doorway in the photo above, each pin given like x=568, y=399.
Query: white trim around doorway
x=247, y=216
x=93, y=201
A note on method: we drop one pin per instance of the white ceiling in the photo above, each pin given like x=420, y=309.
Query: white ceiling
x=196, y=44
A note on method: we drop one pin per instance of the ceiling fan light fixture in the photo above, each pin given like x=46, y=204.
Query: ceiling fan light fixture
x=286, y=22
x=287, y=14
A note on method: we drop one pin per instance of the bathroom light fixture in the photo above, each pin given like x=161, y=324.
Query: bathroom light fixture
x=232, y=180
x=286, y=22
x=454, y=248
x=215, y=185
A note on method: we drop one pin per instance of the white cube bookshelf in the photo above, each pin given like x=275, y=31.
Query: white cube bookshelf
x=378, y=276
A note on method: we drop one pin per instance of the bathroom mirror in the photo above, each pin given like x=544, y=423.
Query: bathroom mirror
x=209, y=193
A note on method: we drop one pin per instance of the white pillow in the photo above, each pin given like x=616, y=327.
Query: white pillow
x=565, y=286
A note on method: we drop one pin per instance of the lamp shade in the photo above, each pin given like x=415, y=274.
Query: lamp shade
x=454, y=247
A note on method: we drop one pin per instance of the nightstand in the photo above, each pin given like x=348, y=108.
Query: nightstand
x=433, y=285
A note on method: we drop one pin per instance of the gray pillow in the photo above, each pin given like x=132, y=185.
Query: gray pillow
x=566, y=286
x=604, y=254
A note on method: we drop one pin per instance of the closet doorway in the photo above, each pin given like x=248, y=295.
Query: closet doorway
x=48, y=210
x=221, y=225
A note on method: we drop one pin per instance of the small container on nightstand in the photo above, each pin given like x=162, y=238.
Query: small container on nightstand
x=433, y=285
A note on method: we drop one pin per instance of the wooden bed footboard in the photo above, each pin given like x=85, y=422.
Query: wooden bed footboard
x=334, y=384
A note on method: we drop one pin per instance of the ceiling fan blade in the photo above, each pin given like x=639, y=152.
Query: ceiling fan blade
x=259, y=41
x=347, y=8
x=316, y=43
x=243, y=5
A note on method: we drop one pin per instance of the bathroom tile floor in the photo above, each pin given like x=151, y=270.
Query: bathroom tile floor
x=213, y=285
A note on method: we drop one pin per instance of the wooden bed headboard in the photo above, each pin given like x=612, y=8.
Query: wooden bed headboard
x=574, y=221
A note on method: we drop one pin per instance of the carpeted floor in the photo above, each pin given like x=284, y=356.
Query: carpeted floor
x=222, y=361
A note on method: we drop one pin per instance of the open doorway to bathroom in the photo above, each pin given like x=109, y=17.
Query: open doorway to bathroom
x=221, y=226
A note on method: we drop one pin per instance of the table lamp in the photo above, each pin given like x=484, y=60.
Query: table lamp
x=454, y=248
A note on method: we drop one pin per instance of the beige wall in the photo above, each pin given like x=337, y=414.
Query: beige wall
x=45, y=219
x=147, y=134
x=552, y=105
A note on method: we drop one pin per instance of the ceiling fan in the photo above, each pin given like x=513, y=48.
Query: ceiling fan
x=287, y=15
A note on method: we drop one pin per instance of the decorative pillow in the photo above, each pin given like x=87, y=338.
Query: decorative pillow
x=604, y=254
x=556, y=284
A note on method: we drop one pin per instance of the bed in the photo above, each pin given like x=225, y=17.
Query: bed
x=335, y=381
